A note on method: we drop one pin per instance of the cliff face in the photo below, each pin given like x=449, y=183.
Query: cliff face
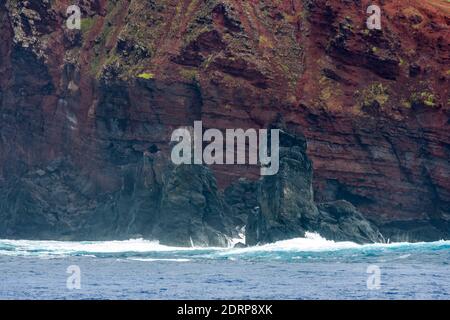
x=373, y=105
x=285, y=208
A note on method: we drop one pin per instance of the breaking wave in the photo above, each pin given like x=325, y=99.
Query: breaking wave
x=312, y=245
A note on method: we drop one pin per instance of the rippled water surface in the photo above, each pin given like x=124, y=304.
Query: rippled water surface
x=303, y=268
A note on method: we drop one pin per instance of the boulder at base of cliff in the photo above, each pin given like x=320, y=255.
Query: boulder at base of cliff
x=341, y=221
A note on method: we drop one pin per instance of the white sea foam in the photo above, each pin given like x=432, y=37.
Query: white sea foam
x=240, y=239
x=154, y=259
x=67, y=247
x=312, y=242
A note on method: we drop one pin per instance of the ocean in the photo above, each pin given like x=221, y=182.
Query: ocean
x=302, y=268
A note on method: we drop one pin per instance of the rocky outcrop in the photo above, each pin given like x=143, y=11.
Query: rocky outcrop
x=192, y=211
x=286, y=207
x=285, y=200
x=175, y=205
x=341, y=221
x=241, y=198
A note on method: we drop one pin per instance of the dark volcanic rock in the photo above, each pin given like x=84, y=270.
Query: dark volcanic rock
x=240, y=245
x=241, y=198
x=285, y=200
x=286, y=208
x=176, y=205
x=341, y=221
x=412, y=230
x=192, y=210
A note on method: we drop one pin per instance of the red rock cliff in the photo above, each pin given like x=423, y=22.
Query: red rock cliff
x=374, y=105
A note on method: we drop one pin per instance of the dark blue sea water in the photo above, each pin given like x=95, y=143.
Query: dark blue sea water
x=310, y=268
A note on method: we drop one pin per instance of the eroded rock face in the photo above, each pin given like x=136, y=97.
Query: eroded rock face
x=192, y=210
x=286, y=207
x=285, y=200
x=176, y=205
x=341, y=221
x=373, y=105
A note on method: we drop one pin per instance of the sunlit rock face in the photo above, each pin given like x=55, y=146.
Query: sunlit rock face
x=372, y=104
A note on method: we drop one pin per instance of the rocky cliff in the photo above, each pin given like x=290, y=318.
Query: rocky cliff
x=83, y=111
x=285, y=206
